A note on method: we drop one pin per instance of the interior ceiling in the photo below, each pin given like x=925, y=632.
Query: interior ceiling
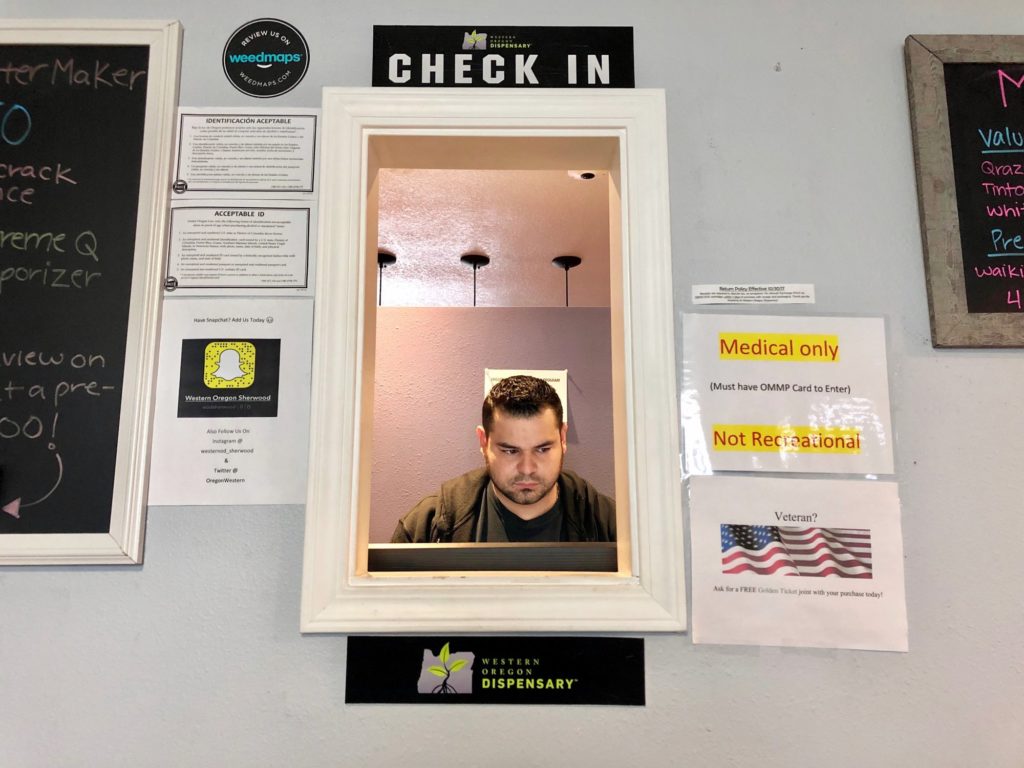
x=521, y=219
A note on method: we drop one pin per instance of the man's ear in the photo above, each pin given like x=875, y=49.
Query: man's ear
x=481, y=436
x=562, y=435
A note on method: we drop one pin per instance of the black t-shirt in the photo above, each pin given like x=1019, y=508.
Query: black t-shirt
x=498, y=524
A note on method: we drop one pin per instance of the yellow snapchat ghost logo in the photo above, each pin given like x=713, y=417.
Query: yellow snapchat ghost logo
x=229, y=365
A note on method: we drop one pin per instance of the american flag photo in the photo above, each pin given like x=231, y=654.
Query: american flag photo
x=775, y=550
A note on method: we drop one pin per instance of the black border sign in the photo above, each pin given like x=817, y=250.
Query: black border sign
x=495, y=670
x=65, y=279
x=503, y=57
x=986, y=130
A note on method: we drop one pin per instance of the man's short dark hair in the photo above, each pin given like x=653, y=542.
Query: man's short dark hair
x=522, y=397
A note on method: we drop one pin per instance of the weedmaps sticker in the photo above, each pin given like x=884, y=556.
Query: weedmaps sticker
x=266, y=57
x=495, y=670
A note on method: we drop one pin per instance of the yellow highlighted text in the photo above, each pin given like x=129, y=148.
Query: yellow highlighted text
x=760, y=438
x=794, y=347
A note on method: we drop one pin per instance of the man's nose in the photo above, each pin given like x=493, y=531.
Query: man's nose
x=527, y=463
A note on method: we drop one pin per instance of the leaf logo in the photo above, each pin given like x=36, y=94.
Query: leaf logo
x=474, y=40
x=447, y=672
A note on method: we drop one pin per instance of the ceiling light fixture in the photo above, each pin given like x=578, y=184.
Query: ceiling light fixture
x=566, y=263
x=476, y=260
x=384, y=259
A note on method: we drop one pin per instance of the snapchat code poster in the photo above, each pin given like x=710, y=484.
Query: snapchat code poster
x=229, y=378
x=232, y=406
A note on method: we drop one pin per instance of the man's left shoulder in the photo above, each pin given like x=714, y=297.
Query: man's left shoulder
x=590, y=512
x=585, y=494
x=578, y=485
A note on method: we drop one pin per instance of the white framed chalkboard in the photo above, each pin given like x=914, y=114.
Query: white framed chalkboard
x=86, y=121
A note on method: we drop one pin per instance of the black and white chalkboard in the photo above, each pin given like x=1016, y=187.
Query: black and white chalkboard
x=967, y=111
x=86, y=116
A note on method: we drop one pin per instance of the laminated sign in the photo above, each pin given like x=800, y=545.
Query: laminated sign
x=786, y=394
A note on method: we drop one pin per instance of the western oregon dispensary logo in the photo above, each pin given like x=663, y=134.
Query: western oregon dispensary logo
x=449, y=672
x=446, y=672
x=480, y=41
x=266, y=57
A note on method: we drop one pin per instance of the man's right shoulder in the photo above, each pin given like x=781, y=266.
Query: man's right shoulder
x=414, y=527
x=438, y=516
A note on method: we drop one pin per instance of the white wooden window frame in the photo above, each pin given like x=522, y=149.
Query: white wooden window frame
x=648, y=592
x=123, y=543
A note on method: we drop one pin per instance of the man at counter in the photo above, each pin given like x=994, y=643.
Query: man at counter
x=522, y=494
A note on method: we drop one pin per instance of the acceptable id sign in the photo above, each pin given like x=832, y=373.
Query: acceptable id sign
x=785, y=394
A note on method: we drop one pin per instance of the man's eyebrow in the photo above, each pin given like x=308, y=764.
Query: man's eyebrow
x=546, y=443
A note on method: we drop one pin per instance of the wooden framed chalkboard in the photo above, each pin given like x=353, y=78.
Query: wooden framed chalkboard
x=86, y=121
x=967, y=113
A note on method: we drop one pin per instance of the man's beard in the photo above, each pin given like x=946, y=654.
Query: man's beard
x=524, y=496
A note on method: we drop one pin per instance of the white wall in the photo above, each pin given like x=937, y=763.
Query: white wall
x=790, y=161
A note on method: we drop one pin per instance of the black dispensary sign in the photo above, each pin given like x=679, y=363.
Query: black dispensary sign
x=495, y=670
x=503, y=57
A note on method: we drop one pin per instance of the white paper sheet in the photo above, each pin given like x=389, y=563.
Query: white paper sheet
x=797, y=562
x=243, y=212
x=752, y=293
x=222, y=247
x=232, y=412
x=223, y=152
x=785, y=394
